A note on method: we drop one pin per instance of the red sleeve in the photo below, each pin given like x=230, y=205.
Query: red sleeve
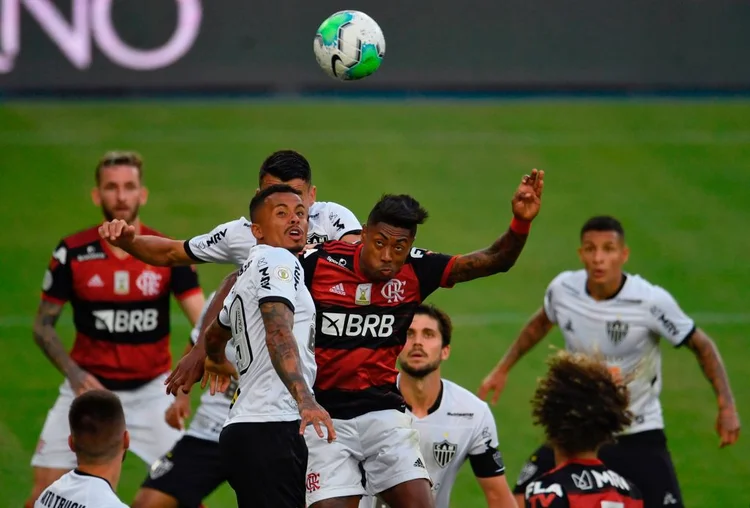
x=57, y=285
x=432, y=270
x=184, y=281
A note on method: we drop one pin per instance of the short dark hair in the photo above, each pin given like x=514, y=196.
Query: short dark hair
x=116, y=158
x=261, y=196
x=579, y=403
x=603, y=223
x=97, y=424
x=401, y=211
x=286, y=165
x=445, y=326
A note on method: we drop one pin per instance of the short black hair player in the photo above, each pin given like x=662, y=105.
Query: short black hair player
x=603, y=309
x=581, y=406
x=365, y=297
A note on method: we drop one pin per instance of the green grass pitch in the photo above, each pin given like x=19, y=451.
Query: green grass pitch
x=676, y=173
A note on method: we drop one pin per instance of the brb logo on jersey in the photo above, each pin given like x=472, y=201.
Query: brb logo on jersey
x=124, y=321
x=354, y=325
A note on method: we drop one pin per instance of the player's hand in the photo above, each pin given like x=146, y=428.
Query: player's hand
x=728, y=425
x=218, y=375
x=494, y=383
x=177, y=413
x=187, y=372
x=82, y=382
x=117, y=232
x=312, y=414
x=528, y=197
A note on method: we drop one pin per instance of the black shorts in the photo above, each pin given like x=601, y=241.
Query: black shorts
x=267, y=463
x=189, y=472
x=642, y=458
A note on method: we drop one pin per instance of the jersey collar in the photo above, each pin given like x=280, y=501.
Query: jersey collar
x=432, y=408
x=614, y=295
x=83, y=473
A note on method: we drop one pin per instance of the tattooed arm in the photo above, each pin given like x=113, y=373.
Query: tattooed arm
x=502, y=255
x=705, y=350
x=535, y=330
x=49, y=342
x=498, y=257
x=278, y=320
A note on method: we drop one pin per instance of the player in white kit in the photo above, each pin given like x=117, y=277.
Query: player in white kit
x=99, y=440
x=270, y=317
x=603, y=310
x=454, y=424
x=231, y=242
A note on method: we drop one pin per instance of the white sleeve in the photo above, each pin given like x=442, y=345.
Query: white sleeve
x=226, y=243
x=485, y=433
x=668, y=319
x=553, y=290
x=223, y=318
x=341, y=221
x=277, y=276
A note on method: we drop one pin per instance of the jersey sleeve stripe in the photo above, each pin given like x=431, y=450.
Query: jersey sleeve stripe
x=447, y=273
x=52, y=299
x=187, y=294
x=687, y=337
x=276, y=299
x=189, y=252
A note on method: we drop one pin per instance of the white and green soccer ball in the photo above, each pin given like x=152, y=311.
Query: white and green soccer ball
x=349, y=45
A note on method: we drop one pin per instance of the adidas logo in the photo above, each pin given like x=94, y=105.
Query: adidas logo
x=669, y=499
x=95, y=282
x=338, y=289
x=419, y=463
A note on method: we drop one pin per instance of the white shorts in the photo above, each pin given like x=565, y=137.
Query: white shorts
x=383, y=446
x=150, y=436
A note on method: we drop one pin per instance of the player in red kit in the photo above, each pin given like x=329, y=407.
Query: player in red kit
x=581, y=406
x=121, y=313
x=365, y=296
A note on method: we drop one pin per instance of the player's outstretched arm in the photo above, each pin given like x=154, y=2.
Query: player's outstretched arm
x=535, y=330
x=278, y=320
x=49, y=342
x=154, y=250
x=728, y=420
x=503, y=253
x=189, y=369
x=218, y=370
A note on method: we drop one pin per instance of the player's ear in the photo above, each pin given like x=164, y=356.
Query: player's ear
x=96, y=197
x=257, y=191
x=580, y=254
x=71, y=444
x=625, y=254
x=445, y=353
x=144, y=196
x=313, y=193
x=126, y=440
x=257, y=231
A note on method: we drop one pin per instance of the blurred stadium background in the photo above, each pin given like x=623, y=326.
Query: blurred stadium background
x=637, y=109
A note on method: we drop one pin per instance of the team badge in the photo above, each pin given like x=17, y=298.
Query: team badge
x=444, y=452
x=159, y=468
x=122, y=282
x=363, y=295
x=148, y=282
x=617, y=330
x=393, y=291
x=317, y=238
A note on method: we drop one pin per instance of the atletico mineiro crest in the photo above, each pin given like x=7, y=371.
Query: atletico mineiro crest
x=617, y=330
x=444, y=452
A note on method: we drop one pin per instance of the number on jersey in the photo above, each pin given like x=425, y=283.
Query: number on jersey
x=240, y=337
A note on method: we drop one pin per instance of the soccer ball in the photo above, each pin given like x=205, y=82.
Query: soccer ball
x=349, y=45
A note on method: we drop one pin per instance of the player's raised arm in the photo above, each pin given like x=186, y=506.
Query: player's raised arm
x=503, y=253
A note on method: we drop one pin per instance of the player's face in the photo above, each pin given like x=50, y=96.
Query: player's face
x=308, y=191
x=120, y=193
x=282, y=222
x=424, y=349
x=603, y=253
x=384, y=251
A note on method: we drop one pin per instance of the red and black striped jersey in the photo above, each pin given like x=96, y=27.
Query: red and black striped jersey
x=120, y=307
x=361, y=325
x=582, y=483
